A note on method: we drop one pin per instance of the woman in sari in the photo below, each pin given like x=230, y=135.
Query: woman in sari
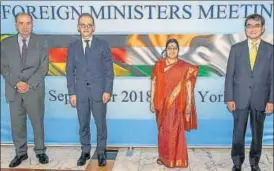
x=172, y=98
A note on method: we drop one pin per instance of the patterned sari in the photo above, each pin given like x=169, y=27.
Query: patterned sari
x=170, y=101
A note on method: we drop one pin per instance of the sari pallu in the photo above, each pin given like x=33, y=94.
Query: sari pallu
x=170, y=101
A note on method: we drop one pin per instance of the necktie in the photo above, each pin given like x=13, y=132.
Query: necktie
x=24, y=50
x=253, y=53
x=87, y=46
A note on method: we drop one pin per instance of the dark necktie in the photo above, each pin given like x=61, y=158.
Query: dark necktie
x=24, y=50
x=87, y=46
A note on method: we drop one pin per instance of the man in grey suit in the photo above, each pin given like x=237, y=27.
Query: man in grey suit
x=249, y=90
x=24, y=65
x=90, y=76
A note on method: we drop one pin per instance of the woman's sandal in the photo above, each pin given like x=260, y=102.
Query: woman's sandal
x=159, y=162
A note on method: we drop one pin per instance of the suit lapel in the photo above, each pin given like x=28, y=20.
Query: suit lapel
x=260, y=55
x=80, y=56
x=18, y=59
x=81, y=49
x=246, y=56
x=93, y=45
x=91, y=52
x=92, y=49
x=17, y=48
x=30, y=48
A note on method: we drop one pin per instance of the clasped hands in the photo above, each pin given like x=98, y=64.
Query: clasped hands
x=22, y=87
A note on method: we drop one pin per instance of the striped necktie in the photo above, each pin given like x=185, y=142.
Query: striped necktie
x=24, y=50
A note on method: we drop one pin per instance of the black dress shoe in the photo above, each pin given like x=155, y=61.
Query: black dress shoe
x=255, y=168
x=17, y=160
x=43, y=158
x=236, y=168
x=102, y=159
x=83, y=158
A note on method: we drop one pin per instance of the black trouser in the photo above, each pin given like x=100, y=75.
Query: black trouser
x=238, y=145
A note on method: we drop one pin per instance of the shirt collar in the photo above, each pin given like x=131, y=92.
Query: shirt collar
x=83, y=40
x=20, y=38
x=250, y=42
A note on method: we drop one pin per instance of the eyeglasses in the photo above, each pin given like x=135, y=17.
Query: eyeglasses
x=253, y=26
x=85, y=25
x=171, y=48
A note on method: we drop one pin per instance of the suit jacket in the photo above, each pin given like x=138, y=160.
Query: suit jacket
x=95, y=69
x=33, y=70
x=246, y=86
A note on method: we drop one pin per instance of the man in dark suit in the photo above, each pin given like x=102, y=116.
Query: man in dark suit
x=249, y=90
x=90, y=80
x=24, y=65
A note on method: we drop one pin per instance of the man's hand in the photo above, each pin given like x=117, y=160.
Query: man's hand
x=269, y=108
x=106, y=97
x=231, y=106
x=72, y=100
x=22, y=87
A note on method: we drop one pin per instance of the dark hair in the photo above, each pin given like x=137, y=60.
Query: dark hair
x=168, y=42
x=86, y=15
x=256, y=17
x=22, y=13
